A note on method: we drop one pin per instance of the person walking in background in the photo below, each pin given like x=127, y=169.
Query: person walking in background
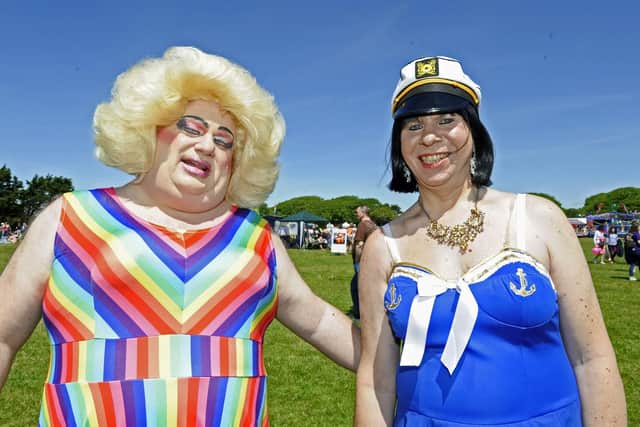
x=366, y=226
x=599, y=245
x=5, y=231
x=632, y=250
x=612, y=244
x=468, y=317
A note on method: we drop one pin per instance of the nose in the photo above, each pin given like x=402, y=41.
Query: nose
x=430, y=135
x=205, y=145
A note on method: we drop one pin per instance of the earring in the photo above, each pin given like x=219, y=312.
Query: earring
x=407, y=173
x=472, y=164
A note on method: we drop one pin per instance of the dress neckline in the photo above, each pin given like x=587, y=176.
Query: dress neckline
x=111, y=192
x=502, y=253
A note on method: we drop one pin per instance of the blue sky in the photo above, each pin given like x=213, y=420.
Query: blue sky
x=559, y=81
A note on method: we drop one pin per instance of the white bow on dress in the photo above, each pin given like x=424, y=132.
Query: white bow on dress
x=464, y=319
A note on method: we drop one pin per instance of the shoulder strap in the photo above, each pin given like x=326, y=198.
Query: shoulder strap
x=521, y=221
x=391, y=243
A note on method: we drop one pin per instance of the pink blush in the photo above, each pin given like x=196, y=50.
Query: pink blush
x=165, y=134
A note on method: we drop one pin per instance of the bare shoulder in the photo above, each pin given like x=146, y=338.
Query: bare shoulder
x=539, y=210
x=38, y=241
x=406, y=222
x=544, y=211
x=496, y=199
x=46, y=222
x=376, y=244
x=376, y=257
x=552, y=231
x=30, y=264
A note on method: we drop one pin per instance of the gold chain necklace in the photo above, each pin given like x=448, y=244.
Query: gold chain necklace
x=459, y=235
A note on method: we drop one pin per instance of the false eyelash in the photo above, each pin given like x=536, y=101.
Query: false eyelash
x=222, y=143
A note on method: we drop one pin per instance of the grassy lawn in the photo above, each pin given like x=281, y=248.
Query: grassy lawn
x=305, y=388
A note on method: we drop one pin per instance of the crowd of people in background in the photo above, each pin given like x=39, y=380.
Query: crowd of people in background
x=314, y=236
x=607, y=244
x=11, y=235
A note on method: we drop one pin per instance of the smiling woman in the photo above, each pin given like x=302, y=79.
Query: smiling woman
x=156, y=295
x=487, y=291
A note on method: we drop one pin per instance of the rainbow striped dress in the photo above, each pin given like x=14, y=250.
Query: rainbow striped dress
x=150, y=326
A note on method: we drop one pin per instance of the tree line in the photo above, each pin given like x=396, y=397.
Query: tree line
x=341, y=209
x=623, y=199
x=19, y=202
x=337, y=210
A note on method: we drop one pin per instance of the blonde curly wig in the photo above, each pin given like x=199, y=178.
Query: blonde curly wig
x=155, y=92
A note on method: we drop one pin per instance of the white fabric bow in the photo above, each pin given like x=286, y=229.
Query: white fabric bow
x=464, y=319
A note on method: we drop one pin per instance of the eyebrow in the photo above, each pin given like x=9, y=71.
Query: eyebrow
x=200, y=119
x=226, y=129
x=206, y=124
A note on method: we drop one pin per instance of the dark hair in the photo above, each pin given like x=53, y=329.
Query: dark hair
x=482, y=144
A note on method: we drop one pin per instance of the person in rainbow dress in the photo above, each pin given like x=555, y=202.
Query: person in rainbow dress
x=156, y=295
x=477, y=305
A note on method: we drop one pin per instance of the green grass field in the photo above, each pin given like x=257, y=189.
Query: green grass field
x=305, y=388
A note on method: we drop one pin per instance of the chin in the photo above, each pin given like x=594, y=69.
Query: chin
x=437, y=180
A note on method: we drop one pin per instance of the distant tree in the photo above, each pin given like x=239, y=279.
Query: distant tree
x=339, y=209
x=343, y=209
x=40, y=191
x=574, y=212
x=548, y=197
x=384, y=213
x=613, y=200
x=263, y=209
x=297, y=204
x=10, y=197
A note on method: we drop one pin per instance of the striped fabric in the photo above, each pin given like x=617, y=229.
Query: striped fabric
x=151, y=326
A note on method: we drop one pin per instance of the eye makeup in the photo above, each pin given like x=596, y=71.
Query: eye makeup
x=442, y=121
x=195, y=126
x=192, y=125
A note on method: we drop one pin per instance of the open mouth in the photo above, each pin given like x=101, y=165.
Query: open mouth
x=433, y=160
x=196, y=167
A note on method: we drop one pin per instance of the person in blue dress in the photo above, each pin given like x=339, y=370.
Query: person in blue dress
x=477, y=305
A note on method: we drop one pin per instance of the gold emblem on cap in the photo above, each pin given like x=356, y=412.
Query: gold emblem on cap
x=427, y=67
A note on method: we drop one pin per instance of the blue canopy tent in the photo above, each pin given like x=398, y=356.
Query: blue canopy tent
x=300, y=218
x=619, y=219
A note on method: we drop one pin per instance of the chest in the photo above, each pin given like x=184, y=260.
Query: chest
x=114, y=280
x=509, y=293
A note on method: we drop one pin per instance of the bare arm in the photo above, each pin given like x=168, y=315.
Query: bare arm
x=357, y=248
x=582, y=326
x=376, y=380
x=313, y=319
x=22, y=285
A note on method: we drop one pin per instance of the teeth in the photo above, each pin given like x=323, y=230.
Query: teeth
x=195, y=163
x=433, y=158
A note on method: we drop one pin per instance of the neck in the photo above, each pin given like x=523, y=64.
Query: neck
x=164, y=208
x=437, y=201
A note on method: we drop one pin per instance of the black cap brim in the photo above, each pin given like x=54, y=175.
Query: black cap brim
x=426, y=103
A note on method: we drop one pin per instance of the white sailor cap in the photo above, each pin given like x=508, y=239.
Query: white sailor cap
x=434, y=84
